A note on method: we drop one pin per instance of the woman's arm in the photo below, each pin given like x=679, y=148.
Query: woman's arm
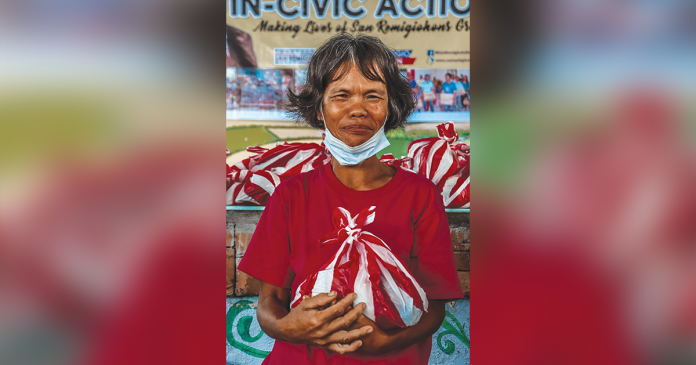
x=380, y=342
x=318, y=321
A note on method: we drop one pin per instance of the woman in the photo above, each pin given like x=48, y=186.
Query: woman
x=466, y=100
x=465, y=82
x=438, y=91
x=418, y=95
x=354, y=91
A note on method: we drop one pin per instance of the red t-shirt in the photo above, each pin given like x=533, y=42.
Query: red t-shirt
x=409, y=217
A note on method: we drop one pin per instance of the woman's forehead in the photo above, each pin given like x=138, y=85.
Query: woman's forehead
x=353, y=77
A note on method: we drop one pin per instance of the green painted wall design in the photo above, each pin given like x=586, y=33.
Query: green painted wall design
x=242, y=327
x=248, y=345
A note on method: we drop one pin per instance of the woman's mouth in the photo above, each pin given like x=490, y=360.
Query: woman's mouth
x=357, y=129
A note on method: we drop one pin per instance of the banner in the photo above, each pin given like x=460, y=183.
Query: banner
x=270, y=42
x=424, y=33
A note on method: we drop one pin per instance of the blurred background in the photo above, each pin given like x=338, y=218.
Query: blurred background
x=110, y=192
x=585, y=241
x=110, y=147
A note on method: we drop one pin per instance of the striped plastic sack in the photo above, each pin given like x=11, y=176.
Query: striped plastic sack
x=463, y=155
x=250, y=184
x=364, y=264
x=289, y=159
x=389, y=160
x=229, y=169
x=254, y=179
x=436, y=158
x=455, y=190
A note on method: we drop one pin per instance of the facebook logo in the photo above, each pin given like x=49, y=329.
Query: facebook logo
x=431, y=52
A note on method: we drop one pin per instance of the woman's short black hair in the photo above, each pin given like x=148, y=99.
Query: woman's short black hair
x=334, y=59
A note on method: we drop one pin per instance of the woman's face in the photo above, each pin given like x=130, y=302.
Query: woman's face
x=355, y=107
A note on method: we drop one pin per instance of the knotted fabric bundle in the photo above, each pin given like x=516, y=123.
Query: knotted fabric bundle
x=364, y=264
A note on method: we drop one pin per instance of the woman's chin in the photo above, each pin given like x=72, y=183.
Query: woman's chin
x=356, y=140
x=356, y=134
x=356, y=137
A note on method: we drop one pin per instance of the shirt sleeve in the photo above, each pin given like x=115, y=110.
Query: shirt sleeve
x=267, y=257
x=432, y=254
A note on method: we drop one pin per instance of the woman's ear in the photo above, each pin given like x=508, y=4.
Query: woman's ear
x=321, y=114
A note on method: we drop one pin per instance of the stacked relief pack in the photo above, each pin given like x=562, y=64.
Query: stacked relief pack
x=445, y=163
x=253, y=180
x=441, y=159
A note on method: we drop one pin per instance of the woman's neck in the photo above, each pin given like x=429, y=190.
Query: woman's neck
x=368, y=175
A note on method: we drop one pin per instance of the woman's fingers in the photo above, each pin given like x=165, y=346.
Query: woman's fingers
x=346, y=320
x=318, y=300
x=337, y=309
x=341, y=348
x=346, y=337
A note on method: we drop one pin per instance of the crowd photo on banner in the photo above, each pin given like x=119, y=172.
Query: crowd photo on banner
x=442, y=90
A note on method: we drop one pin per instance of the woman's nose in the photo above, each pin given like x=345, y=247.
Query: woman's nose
x=357, y=109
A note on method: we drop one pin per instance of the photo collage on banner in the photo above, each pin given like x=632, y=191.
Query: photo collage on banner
x=262, y=36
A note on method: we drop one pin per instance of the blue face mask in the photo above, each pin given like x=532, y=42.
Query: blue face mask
x=347, y=155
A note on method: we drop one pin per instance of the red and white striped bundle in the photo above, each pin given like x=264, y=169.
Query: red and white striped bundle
x=255, y=178
x=365, y=265
x=455, y=191
x=434, y=157
x=389, y=160
x=229, y=169
x=250, y=184
x=290, y=159
x=445, y=163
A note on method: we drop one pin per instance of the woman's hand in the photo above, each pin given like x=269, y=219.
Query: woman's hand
x=377, y=342
x=380, y=342
x=318, y=321
x=310, y=324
